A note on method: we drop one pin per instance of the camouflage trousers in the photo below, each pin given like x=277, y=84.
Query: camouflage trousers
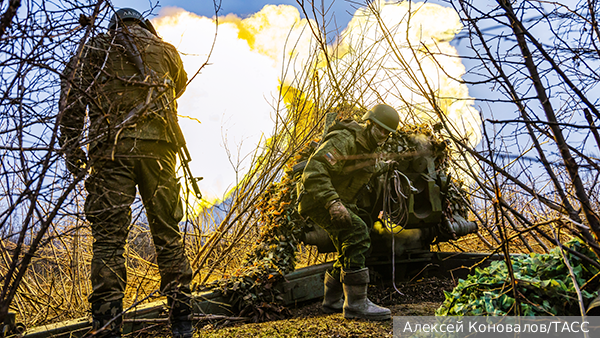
x=352, y=241
x=111, y=186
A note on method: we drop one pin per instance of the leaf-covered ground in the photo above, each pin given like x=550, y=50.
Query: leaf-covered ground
x=307, y=323
x=420, y=298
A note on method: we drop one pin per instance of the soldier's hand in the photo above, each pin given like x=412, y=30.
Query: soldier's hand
x=76, y=161
x=339, y=214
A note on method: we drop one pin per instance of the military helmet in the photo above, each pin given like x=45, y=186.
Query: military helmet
x=385, y=116
x=124, y=14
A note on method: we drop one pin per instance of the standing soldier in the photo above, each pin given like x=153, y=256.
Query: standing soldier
x=331, y=181
x=130, y=144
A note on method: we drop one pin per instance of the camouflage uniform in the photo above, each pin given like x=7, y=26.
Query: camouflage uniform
x=141, y=155
x=339, y=169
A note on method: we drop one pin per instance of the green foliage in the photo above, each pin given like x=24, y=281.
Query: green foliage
x=543, y=283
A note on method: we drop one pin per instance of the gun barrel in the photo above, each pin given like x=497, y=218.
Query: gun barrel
x=184, y=156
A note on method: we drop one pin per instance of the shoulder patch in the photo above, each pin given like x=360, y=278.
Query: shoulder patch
x=332, y=157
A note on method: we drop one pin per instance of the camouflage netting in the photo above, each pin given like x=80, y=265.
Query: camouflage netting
x=250, y=289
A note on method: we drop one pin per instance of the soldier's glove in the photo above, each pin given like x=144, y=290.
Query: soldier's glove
x=76, y=161
x=339, y=214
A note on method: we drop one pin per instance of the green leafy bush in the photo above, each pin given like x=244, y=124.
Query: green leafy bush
x=542, y=280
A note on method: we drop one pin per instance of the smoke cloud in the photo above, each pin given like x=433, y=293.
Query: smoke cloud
x=232, y=97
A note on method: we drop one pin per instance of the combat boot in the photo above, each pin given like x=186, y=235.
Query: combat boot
x=181, y=313
x=107, y=319
x=357, y=305
x=182, y=327
x=333, y=300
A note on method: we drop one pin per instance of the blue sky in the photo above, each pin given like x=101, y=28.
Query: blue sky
x=341, y=9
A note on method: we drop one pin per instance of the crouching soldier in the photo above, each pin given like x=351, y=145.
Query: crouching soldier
x=331, y=180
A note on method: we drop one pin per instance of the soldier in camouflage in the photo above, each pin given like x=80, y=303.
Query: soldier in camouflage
x=332, y=179
x=121, y=156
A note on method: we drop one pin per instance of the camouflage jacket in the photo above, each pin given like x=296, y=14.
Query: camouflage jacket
x=110, y=86
x=341, y=166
